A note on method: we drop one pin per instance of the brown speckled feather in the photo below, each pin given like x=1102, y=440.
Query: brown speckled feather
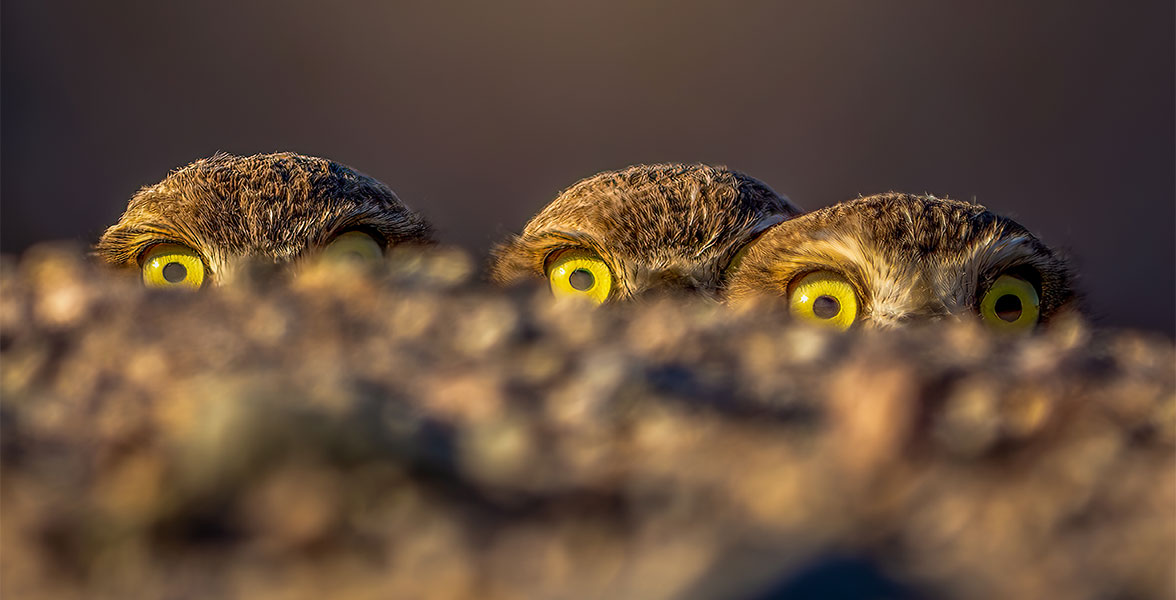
x=659, y=227
x=267, y=206
x=906, y=256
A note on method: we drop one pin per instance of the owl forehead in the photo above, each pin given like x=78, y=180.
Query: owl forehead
x=662, y=216
x=245, y=220
x=266, y=205
x=905, y=228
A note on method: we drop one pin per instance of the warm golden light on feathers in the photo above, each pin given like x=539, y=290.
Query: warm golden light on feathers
x=907, y=257
x=270, y=207
x=659, y=227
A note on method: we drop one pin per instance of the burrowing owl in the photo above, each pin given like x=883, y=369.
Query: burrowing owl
x=886, y=259
x=650, y=227
x=197, y=225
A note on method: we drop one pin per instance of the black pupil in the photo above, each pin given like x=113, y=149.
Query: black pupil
x=826, y=307
x=582, y=280
x=175, y=272
x=1008, y=308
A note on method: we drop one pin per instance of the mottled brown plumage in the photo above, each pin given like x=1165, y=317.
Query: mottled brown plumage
x=269, y=207
x=659, y=227
x=906, y=257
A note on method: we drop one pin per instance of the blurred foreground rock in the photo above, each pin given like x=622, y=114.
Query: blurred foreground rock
x=413, y=435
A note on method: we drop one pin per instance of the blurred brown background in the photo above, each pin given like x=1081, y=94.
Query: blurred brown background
x=1059, y=113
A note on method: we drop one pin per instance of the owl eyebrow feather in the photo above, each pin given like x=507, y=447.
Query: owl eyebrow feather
x=1000, y=253
x=550, y=241
x=827, y=255
x=367, y=221
x=126, y=245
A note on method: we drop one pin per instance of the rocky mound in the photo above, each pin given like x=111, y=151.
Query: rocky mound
x=410, y=434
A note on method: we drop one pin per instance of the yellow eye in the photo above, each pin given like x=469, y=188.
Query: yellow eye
x=172, y=265
x=354, y=247
x=1011, y=305
x=826, y=298
x=580, y=273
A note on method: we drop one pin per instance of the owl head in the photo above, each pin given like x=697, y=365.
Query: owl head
x=619, y=234
x=201, y=222
x=884, y=260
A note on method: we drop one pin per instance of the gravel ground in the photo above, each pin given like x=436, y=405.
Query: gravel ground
x=414, y=434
